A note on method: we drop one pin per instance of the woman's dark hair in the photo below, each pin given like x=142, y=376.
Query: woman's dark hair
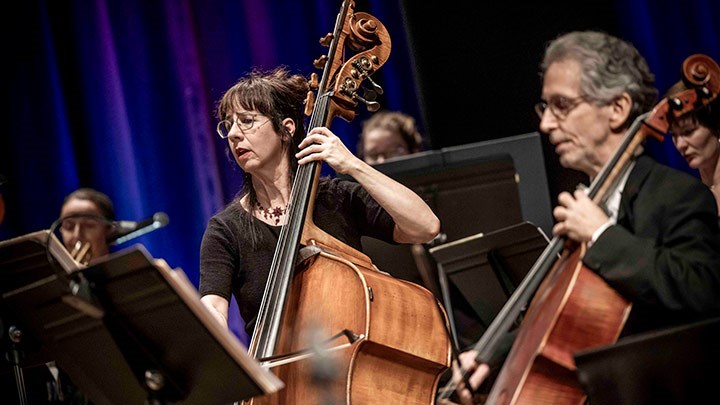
x=101, y=200
x=707, y=116
x=277, y=94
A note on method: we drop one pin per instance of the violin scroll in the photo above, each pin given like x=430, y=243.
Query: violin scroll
x=701, y=79
x=701, y=71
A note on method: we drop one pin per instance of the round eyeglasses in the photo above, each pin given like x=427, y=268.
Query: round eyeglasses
x=560, y=106
x=245, y=122
x=375, y=156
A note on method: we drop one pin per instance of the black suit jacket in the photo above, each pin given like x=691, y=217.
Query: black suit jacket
x=664, y=252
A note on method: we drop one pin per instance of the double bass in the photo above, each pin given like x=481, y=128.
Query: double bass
x=571, y=307
x=332, y=326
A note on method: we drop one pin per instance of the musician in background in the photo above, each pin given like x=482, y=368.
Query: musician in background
x=261, y=116
x=388, y=134
x=656, y=240
x=87, y=217
x=696, y=136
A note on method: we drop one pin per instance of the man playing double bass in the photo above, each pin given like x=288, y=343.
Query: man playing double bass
x=656, y=239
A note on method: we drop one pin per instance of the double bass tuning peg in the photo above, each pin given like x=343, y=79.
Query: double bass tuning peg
x=319, y=63
x=372, y=106
x=369, y=94
x=327, y=39
x=313, y=81
x=675, y=103
x=363, y=69
x=309, y=103
x=375, y=87
x=310, y=98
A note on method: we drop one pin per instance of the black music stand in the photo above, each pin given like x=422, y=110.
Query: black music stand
x=470, y=191
x=127, y=329
x=486, y=268
x=677, y=365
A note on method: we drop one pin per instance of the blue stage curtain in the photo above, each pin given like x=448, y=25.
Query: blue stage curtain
x=666, y=33
x=120, y=96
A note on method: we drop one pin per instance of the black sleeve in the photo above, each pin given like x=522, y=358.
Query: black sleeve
x=217, y=263
x=669, y=257
x=347, y=211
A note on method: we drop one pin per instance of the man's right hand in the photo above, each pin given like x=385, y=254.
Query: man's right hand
x=477, y=374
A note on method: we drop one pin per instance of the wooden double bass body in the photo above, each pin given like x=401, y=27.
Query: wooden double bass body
x=400, y=348
x=333, y=327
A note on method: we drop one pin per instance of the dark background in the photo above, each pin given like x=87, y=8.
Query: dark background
x=477, y=68
x=120, y=95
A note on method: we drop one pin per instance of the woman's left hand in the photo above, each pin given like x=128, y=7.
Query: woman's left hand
x=321, y=144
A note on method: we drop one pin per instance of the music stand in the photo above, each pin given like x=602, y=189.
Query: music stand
x=126, y=329
x=486, y=268
x=453, y=184
x=675, y=365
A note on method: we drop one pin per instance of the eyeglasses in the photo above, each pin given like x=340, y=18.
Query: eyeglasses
x=245, y=122
x=560, y=106
x=373, y=157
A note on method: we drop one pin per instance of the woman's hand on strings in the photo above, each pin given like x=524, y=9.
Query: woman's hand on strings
x=321, y=144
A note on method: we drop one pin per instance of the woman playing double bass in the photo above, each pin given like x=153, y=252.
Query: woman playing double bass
x=261, y=117
x=655, y=240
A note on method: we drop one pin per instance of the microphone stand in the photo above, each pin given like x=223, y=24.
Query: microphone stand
x=158, y=220
x=15, y=355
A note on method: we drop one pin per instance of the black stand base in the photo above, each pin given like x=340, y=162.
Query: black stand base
x=14, y=355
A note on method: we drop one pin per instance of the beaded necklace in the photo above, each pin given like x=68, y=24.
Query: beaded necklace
x=272, y=212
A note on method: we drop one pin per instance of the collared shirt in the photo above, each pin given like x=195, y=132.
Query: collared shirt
x=612, y=205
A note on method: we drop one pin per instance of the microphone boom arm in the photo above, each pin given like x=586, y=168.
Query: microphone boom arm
x=136, y=229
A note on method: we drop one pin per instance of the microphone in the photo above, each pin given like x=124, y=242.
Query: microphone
x=126, y=230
